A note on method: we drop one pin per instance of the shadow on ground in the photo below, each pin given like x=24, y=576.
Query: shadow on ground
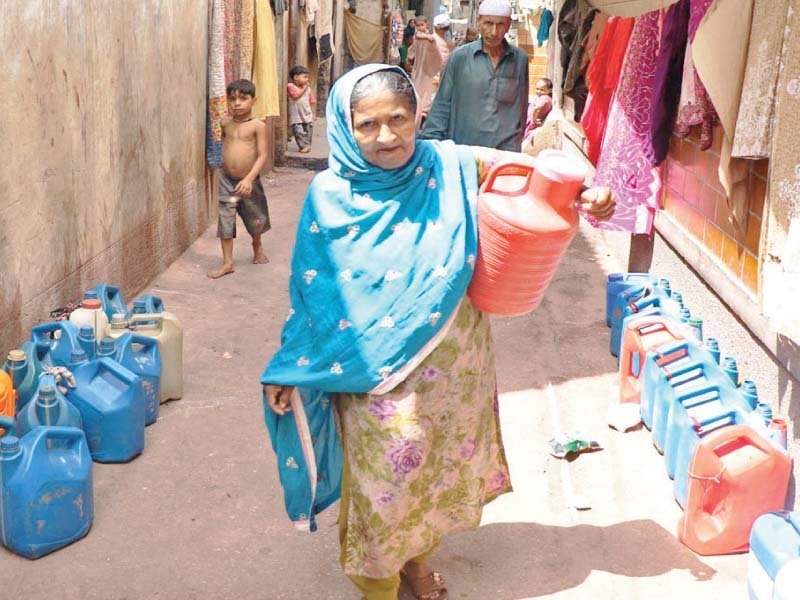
x=506, y=561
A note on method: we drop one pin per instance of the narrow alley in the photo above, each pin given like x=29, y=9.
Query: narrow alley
x=200, y=513
x=472, y=157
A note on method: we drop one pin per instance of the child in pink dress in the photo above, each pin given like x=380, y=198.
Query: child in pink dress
x=540, y=108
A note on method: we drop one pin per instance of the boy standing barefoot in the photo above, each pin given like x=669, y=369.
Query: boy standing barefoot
x=244, y=151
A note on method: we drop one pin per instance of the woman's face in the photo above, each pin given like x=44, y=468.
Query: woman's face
x=384, y=129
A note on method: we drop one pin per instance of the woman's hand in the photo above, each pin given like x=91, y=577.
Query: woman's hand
x=598, y=202
x=278, y=398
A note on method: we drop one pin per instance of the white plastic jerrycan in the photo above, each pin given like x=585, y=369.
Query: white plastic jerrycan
x=91, y=314
x=167, y=330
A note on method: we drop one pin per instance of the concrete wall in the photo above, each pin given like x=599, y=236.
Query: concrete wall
x=103, y=110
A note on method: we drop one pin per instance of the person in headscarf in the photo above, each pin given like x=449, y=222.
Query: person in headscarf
x=381, y=333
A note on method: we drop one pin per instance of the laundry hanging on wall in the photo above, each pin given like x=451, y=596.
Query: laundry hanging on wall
x=574, y=24
x=719, y=50
x=667, y=79
x=695, y=107
x=768, y=35
x=217, y=102
x=602, y=77
x=364, y=38
x=624, y=165
x=265, y=63
x=784, y=172
x=248, y=19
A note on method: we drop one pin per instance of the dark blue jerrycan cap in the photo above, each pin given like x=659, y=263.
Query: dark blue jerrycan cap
x=9, y=444
x=77, y=356
x=107, y=347
x=47, y=395
x=90, y=295
x=86, y=331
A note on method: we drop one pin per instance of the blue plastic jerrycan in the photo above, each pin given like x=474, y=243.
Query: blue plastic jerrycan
x=48, y=409
x=111, y=299
x=694, y=413
x=686, y=402
x=147, y=305
x=110, y=400
x=47, y=500
x=140, y=354
x=151, y=304
x=24, y=366
x=620, y=282
x=774, y=543
x=656, y=302
x=674, y=363
x=60, y=337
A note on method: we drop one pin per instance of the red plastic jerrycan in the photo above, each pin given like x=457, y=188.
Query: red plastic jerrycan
x=735, y=476
x=526, y=220
x=640, y=336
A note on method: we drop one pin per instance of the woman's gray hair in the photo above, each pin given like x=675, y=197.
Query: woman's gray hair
x=387, y=80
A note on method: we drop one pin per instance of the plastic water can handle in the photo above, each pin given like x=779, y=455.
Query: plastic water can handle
x=146, y=319
x=126, y=375
x=39, y=332
x=71, y=435
x=150, y=344
x=518, y=169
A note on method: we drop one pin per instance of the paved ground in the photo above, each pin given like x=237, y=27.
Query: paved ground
x=200, y=515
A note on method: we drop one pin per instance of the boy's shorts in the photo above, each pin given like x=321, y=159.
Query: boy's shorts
x=253, y=208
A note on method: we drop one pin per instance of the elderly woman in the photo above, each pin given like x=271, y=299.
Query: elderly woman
x=381, y=332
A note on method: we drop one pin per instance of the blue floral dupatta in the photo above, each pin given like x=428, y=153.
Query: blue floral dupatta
x=381, y=262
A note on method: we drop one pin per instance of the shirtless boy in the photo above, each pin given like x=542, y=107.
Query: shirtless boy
x=244, y=151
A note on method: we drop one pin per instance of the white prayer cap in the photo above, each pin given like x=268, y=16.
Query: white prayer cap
x=495, y=8
x=441, y=21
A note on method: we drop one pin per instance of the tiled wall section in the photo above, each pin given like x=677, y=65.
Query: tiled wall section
x=694, y=197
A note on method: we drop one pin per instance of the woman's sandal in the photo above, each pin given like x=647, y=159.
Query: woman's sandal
x=427, y=587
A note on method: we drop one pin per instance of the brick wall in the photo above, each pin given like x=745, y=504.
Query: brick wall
x=694, y=197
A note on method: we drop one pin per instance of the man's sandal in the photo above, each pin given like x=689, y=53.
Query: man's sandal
x=427, y=587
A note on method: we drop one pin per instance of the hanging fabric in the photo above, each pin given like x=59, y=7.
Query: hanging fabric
x=578, y=20
x=233, y=36
x=624, y=165
x=602, y=77
x=543, y=29
x=695, y=106
x=364, y=38
x=279, y=6
x=246, y=44
x=667, y=79
x=630, y=8
x=784, y=178
x=265, y=66
x=323, y=30
x=217, y=102
x=719, y=51
x=757, y=105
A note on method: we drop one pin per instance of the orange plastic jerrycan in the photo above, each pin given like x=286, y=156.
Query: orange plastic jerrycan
x=640, y=336
x=735, y=476
x=526, y=220
x=8, y=397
